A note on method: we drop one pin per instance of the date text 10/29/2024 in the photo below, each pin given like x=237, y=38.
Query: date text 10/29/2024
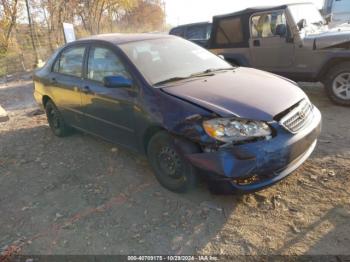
x=173, y=258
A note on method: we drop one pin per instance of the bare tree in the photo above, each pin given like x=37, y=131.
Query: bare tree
x=148, y=15
x=31, y=30
x=44, y=33
x=8, y=18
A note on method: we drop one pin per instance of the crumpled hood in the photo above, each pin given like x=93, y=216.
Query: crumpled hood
x=329, y=38
x=245, y=92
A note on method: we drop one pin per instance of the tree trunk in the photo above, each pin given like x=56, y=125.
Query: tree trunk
x=13, y=20
x=100, y=17
x=12, y=13
x=31, y=32
x=48, y=29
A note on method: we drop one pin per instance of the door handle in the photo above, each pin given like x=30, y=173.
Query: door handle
x=256, y=42
x=86, y=90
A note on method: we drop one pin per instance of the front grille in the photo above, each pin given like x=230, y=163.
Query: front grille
x=298, y=118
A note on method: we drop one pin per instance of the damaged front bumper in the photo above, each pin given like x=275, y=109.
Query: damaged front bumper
x=256, y=165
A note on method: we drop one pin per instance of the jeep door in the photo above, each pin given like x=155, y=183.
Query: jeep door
x=109, y=111
x=270, y=46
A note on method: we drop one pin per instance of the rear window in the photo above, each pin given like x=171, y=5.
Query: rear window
x=229, y=31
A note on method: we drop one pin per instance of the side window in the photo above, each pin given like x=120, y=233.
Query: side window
x=70, y=62
x=268, y=24
x=103, y=62
x=179, y=31
x=229, y=31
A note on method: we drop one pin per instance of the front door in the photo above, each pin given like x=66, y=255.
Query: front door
x=269, y=46
x=109, y=111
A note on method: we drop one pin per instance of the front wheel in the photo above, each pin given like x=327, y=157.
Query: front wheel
x=171, y=169
x=337, y=84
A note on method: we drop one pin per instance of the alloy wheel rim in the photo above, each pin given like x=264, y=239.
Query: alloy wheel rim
x=341, y=86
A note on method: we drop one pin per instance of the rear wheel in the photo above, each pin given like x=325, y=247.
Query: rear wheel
x=337, y=84
x=56, y=121
x=171, y=169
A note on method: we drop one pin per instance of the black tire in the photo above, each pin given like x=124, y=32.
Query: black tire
x=171, y=169
x=332, y=84
x=56, y=121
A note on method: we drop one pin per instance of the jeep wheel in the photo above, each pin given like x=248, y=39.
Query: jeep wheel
x=337, y=84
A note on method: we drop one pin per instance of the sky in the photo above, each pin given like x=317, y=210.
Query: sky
x=190, y=11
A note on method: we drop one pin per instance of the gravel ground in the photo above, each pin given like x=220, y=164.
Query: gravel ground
x=81, y=195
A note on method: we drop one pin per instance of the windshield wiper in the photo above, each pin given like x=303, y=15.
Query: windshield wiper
x=173, y=79
x=208, y=72
x=211, y=71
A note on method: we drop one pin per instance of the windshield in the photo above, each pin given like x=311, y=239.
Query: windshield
x=309, y=12
x=171, y=58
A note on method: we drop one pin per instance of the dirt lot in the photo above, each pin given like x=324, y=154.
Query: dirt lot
x=81, y=195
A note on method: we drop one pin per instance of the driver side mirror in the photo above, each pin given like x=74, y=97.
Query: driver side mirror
x=301, y=24
x=117, y=82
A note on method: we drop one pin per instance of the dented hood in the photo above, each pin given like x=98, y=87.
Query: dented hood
x=244, y=92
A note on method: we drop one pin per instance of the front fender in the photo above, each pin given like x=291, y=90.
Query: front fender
x=180, y=118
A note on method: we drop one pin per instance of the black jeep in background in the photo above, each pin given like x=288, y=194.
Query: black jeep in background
x=290, y=40
x=198, y=33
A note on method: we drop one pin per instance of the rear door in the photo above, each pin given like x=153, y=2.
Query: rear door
x=269, y=49
x=109, y=111
x=66, y=83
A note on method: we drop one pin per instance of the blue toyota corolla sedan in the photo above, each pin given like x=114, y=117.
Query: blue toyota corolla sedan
x=188, y=110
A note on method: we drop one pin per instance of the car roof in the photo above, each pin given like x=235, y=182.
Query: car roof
x=193, y=24
x=251, y=10
x=118, y=39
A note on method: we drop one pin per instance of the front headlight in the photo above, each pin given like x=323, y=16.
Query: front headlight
x=231, y=130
